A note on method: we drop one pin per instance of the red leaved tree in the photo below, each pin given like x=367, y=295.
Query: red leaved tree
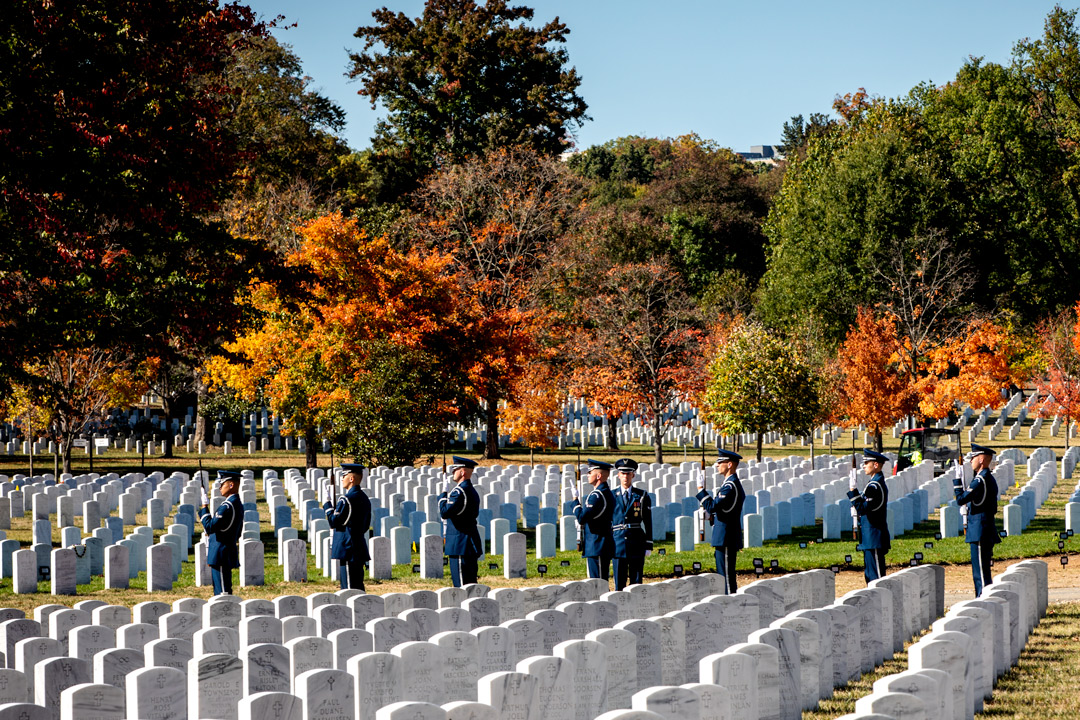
x=1061, y=354
x=499, y=218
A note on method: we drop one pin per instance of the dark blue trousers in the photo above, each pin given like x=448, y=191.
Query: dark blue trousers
x=599, y=567
x=981, y=556
x=725, y=564
x=352, y=575
x=221, y=578
x=463, y=570
x=873, y=564
x=628, y=571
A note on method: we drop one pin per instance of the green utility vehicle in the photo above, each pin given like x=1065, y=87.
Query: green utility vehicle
x=942, y=446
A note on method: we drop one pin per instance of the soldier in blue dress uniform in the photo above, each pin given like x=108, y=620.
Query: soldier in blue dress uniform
x=223, y=531
x=350, y=519
x=871, y=505
x=982, y=501
x=595, y=518
x=631, y=528
x=725, y=513
x=460, y=508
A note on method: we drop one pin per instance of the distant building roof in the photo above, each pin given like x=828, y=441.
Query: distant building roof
x=761, y=153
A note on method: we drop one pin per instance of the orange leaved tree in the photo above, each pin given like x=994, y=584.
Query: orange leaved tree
x=875, y=391
x=359, y=345
x=970, y=368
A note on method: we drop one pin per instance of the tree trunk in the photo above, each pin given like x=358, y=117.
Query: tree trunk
x=201, y=432
x=760, y=441
x=878, y=443
x=491, y=446
x=612, y=436
x=66, y=444
x=658, y=436
x=167, y=442
x=311, y=451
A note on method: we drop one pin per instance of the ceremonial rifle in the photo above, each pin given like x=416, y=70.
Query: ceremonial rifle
x=701, y=523
x=581, y=525
x=854, y=476
x=445, y=487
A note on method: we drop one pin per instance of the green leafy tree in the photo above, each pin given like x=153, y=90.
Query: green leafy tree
x=798, y=132
x=1050, y=66
x=698, y=205
x=116, y=151
x=758, y=382
x=460, y=81
x=385, y=415
x=295, y=167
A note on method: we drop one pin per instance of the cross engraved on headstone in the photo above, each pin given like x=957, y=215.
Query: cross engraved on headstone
x=24, y=715
x=277, y=708
x=97, y=698
x=330, y=681
x=161, y=680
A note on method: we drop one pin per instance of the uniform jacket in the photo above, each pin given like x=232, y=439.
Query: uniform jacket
x=460, y=508
x=350, y=518
x=726, y=509
x=982, y=501
x=631, y=523
x=223, y=531
x=872, y=508
x=596, y=516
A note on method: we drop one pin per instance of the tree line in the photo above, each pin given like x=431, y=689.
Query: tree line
x=180, y=216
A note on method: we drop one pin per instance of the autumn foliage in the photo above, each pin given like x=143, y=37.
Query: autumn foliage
x=874, y=391
x=969, y=369
x=356, y=301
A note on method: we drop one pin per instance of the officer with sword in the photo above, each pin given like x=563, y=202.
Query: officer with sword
x=631, y=527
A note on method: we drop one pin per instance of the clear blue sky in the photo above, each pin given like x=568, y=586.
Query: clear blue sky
x=731, y=72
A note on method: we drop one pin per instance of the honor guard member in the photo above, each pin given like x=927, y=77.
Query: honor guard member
x=631, y=528
x=223, y=530
x=460, y=508
x=982, y=501
x=595, y=519
x=350, y=518
x=871, y=505
x=725, y=514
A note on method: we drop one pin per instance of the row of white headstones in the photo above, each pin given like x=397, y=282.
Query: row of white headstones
x=679, y=649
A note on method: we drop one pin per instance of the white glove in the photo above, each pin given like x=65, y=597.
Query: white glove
x=648, y=553
x=701, y=482
x=202, y=497
x=852, y=485
x=446, y=485
x=574, y=492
